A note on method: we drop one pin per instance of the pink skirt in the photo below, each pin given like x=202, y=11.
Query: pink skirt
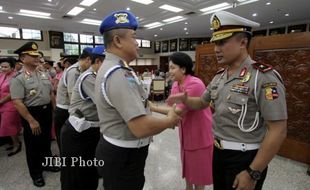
x=10, y=123
x=197, y=165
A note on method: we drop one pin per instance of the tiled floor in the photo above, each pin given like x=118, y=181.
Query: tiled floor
x=162, y=170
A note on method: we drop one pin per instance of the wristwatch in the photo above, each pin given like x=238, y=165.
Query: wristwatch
x=255, y=174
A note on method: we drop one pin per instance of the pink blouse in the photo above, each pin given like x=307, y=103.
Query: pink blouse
x=196, y=125
x=5, y=90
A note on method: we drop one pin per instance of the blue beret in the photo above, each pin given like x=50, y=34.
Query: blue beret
x=88, y=49
x=119, y=19
x=98, y=50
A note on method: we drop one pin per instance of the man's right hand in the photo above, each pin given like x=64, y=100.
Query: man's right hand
x=173, y=116
x=177, y=98
x=35, y=127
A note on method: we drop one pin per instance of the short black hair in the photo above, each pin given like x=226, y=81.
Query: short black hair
x=184, y=61
x=10, y=60
x=94, y=57
x=85, y=54
x=60, y=66
x=241, y=35
x=108, y=35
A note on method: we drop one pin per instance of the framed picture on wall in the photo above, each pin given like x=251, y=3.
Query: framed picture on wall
x=56, y=39
x=193, y=43
x=297, y=28
x=183, y=44
x=173, y=45
x=164, y=46
x=157, y=47
x=275, y=31
x=259, y=33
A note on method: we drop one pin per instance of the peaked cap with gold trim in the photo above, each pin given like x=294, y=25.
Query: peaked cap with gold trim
x=225, y=24
x=119, y=19
x=30, y=48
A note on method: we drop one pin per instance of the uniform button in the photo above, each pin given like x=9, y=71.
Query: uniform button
x=242, y=144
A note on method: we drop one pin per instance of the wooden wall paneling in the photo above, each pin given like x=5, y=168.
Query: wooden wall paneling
x=290, y=56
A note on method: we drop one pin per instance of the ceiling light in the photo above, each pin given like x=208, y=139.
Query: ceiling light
x=49, y=0
x=35, y=13
x=173, y=19
x=145, y=2
x=88, y=2
x=152, y=24
x=10, y=17
x=1, y=8
x=243, y=2
x=254, y=14
x=268, y=3
x=128, y=8
x=185, y=23
x=185, y=28
x=161, y=29
x=155, y=35
x=186, y=33
x=287, y=14
x=91, y=21
x=215, y=8
x=271, y=22
x=75, y=11
x=94, y=9
x=171, y=8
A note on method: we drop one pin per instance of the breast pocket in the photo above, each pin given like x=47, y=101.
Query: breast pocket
x=235, y=103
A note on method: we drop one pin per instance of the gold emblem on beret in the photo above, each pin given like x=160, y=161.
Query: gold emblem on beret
x=216, y=23
x=121, y=18
x=34, y=46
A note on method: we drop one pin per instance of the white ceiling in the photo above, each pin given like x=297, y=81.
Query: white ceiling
x=198, y=24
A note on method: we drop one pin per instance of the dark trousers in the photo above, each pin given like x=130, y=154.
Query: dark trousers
x=75, y=146
x=123, y=167
x=229, y=163
x=60, y=117
x=38, y=146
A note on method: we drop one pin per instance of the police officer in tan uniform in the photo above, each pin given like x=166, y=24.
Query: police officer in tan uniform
x=125, y=121
x=64, y=90
x=31, y=91
x=249, y=119
x=80, y=133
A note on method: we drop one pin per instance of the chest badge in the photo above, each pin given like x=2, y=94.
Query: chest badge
x=33, y=92
x=246, y=77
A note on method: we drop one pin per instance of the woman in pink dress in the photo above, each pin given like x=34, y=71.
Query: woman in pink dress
x=195, y=128
x=10, y=123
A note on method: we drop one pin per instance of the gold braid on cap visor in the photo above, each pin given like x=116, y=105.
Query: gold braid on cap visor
x=31, y=52
x=222, y=34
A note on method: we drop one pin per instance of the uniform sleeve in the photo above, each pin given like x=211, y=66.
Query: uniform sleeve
x=124, y=95
x=71, y=79
x=271, y=97
x=88, y=86
x=194, y=88
x=17, y=89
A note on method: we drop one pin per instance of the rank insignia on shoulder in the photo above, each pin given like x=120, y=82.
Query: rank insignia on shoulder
x=271, y=93
x=220, y=70
x=263, y=67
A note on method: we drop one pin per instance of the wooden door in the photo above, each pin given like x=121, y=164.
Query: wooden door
x=164, y=63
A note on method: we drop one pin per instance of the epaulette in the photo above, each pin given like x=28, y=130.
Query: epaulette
x=220, y=71
x=262, y=67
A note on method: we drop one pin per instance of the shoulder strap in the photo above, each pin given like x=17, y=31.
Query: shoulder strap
x=65, y=74
x=83, y=95
x=262, y=67
x=105, y=79
x=220, y=70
